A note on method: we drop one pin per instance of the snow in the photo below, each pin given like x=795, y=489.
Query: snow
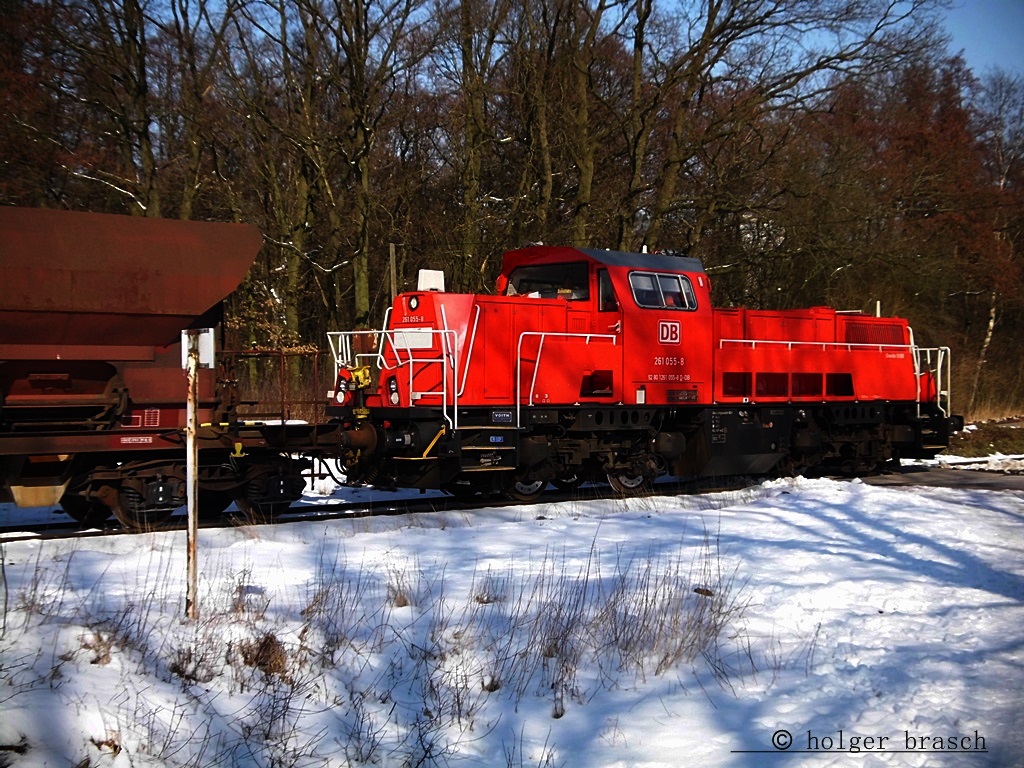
x=849, y=616
x=995, y=463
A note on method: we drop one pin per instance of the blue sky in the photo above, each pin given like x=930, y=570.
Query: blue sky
x=989, y=32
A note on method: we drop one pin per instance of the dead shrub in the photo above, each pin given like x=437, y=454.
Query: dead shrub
x=101, y=644
x=267, y=655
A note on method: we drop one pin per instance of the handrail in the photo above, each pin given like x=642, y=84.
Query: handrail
x=469, y=345
x=341, y=347
x=536, y=366
x=817, y=344
x=941, y=369
x=469, y=348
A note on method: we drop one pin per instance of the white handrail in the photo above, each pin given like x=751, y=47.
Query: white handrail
x=536, y=366
x=941, y=368
x=341, y=348
x=817, y=344
x=469, y=345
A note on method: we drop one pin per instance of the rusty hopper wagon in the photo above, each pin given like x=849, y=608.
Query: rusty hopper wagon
x=92, y=395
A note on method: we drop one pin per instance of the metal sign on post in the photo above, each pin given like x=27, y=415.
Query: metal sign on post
x=197, y=351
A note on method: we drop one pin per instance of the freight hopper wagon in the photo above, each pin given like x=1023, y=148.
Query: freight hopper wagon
x=92, y=393
x=593, y=364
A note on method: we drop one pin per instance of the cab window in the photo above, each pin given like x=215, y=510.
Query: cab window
x=606, y=301
x=551, y=281
x=662, y=291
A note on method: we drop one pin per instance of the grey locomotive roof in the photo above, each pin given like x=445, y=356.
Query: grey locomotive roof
x=652, y=261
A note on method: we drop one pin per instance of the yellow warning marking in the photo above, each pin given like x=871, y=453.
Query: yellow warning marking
x=434, y=441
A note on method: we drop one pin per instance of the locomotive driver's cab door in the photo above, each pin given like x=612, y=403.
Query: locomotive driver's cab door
x=667, y=334
x=608, y=307
x=605, y=380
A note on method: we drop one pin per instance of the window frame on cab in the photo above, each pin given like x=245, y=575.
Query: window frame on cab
x=653, y=296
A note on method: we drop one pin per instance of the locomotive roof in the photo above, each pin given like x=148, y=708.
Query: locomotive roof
x=653, y=261
x=661, y=262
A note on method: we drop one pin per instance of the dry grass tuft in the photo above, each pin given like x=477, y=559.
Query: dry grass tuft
x=1005, y=437
x=266, y=654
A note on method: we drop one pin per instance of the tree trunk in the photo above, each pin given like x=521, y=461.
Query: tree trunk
x=983, y=353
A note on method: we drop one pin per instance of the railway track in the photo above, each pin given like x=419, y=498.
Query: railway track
x=969, y=476
x=179, y=521
x=353, y=510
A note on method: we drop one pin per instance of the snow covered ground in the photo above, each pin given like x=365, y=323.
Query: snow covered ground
x=797, y=622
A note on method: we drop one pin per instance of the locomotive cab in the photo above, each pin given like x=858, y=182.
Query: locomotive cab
x=593, y=323
x=655, y=306
x=575, y=341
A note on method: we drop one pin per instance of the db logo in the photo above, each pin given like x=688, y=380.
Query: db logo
x=669, y=332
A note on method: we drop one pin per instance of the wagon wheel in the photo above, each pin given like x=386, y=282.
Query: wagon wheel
x=213, y=503
x=628, y=485
x=523, y=489
x=85, y=510
x=129, y=509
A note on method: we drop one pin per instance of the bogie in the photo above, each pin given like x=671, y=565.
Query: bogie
x=89, y=512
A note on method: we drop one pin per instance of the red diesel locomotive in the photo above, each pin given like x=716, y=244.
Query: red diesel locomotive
x=593, y=364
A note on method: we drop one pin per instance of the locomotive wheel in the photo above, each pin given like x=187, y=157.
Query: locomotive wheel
x=466, y=489
x=568, y=482
x=526, y=490
x=128, y=507
x=254, y=513
x=628, y=485
x=87, y=511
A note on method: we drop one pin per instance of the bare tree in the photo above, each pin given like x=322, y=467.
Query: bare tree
x=772, y=57
x=188, y=47
x=369, y=46
x=31, y=114
x=1001, y=107
x=273, y=88
x=111, y=75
